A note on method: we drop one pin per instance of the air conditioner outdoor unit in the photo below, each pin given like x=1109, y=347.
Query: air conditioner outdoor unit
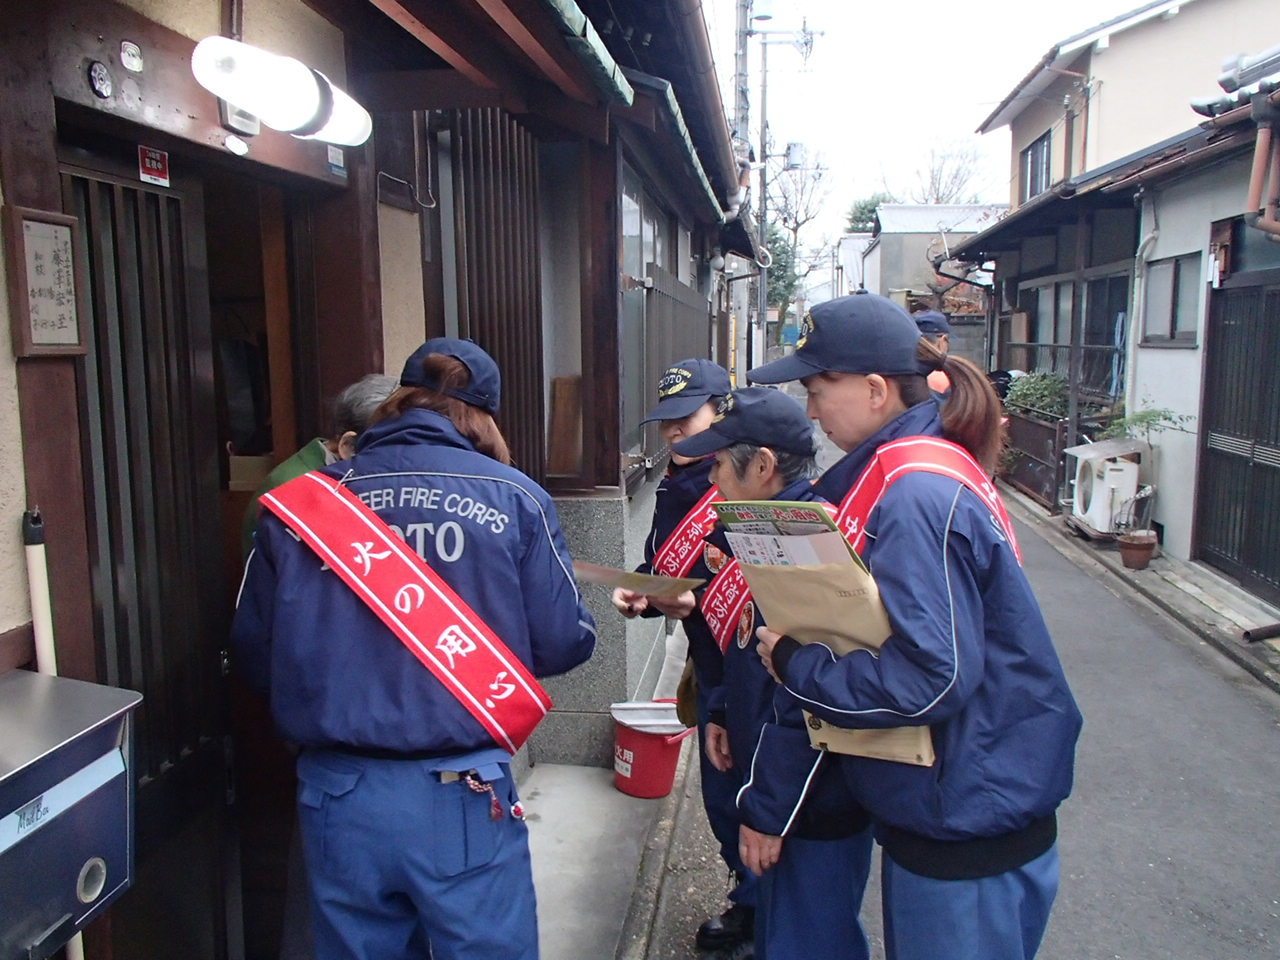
x=1104, y=493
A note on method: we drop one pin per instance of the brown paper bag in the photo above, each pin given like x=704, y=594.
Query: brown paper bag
x=837, y=604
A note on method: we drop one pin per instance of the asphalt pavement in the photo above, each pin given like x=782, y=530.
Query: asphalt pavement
x=1170, y=843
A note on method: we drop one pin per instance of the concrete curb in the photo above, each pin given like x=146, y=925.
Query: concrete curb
x=1219, y=633
x=637, y=928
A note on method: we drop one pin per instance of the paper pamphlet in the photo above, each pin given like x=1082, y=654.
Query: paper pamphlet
x=809, y=584
x=651, y=585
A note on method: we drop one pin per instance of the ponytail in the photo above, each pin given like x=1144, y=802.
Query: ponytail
x=449, y=373
x=971, y=413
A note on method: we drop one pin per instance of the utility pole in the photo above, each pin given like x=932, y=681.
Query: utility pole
x=763, y=280
x=742, y=150
x=741, y=98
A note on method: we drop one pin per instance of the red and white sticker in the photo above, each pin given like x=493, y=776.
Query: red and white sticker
x=153, y=166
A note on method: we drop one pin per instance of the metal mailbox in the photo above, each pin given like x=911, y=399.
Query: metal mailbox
x=66, y=808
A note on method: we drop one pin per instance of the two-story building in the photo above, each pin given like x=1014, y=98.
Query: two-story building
x=1125, y=261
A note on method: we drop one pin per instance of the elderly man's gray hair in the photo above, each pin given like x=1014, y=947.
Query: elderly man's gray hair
x=354, y=406
x=791, y=466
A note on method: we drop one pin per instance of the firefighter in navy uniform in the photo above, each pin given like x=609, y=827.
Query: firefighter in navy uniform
x=407, y=807
x=799, y=820
x=688, y=394
x=970, y=856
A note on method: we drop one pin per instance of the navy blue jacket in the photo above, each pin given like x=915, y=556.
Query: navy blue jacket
x=679, y=491
x=969, y=654
x=337, y=676
x=788, y=787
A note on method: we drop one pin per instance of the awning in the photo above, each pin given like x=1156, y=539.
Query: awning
x=1063, y=203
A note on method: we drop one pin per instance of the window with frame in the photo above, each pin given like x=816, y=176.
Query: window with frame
x=1171, y=306
x=1036, y=166
x=647, y=232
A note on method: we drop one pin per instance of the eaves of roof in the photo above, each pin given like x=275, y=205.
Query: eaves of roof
x=1063, y=52
x=1099, y=183
x=739, y=236
x=675, y=120
x=582, y=38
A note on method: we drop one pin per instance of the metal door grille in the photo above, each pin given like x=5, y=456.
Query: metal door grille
x=1238, y=521
x=151, y=461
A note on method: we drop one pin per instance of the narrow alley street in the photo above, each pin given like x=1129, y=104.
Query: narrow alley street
x=1168, y=842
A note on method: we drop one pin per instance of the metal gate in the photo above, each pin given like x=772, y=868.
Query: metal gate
x=1238, y=520
x=152, y=471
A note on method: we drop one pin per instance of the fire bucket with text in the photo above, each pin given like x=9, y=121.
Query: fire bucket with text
x=646, y=746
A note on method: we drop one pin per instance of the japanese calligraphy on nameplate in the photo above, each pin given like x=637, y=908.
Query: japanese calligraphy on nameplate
x=51, y=284
x=43, y=281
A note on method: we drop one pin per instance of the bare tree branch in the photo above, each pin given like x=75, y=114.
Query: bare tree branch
x=947, y=176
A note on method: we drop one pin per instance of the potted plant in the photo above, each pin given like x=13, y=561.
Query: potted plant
x=1137, y=548
x=1138, y=545
x=1142, y=423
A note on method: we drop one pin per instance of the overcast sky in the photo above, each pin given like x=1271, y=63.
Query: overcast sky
x=889, y=79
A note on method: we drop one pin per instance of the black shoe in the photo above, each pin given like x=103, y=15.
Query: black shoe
x=735, y=926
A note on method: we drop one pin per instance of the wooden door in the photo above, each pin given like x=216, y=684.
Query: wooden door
x=1238, y=520
x=152, y=466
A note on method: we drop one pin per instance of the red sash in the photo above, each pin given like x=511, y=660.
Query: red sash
x=723, y=603
x=439, y=627
x=896, y=459
x=725, y=598
x=677, y=555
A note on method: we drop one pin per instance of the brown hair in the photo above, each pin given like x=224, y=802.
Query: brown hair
x=449, y=373
x=971, y=414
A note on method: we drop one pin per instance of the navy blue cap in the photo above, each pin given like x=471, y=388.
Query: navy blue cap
x=758, y=416
x=685, y=386
x=860, y=333
x=484, y=390
x=931, y=321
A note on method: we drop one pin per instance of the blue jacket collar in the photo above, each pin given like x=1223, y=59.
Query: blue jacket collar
x=924, y=419
x=695, y=478
x=800, y=490
x=412, y=427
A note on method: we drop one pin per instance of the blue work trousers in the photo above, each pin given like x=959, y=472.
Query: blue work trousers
x=992, y=918
x=810, y=900
x=720, y=799
x=391, y=848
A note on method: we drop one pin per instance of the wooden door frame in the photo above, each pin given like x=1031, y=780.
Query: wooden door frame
x=47, y=392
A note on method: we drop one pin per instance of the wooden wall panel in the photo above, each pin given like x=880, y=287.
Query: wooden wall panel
x=47, y=397
x=496, y=222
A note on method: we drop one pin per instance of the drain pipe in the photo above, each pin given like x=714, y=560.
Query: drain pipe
x=42, y=627
x=1138, y=299
x=1264, y=178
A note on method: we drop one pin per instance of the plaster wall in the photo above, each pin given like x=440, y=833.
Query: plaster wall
x=287, y=27
x=1150, y=72
x=15, y=608
x=1169, y=376
x=291, y=28
x=871, y=268
x=1045, y=112
x=195, y=19
x=905, y=265
x=560, y=262
x=404, y=324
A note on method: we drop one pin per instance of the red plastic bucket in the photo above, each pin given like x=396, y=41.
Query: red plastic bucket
x=646, y=747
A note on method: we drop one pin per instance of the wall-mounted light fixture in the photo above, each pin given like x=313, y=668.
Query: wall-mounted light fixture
x=282, y=92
